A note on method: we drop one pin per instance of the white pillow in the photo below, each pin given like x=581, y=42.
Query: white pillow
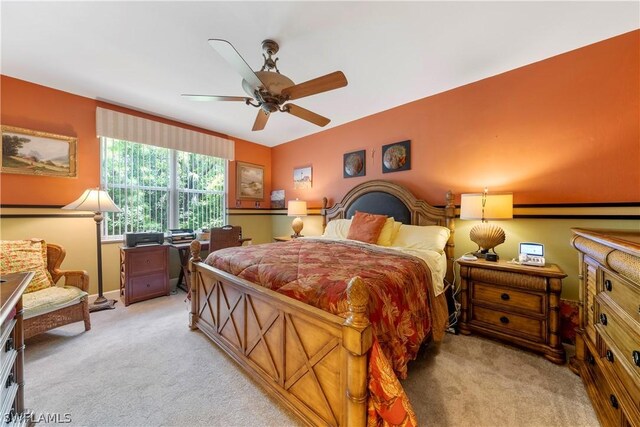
x=337, y=229
x=432, y=237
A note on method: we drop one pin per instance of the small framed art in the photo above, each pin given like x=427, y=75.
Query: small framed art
x=249, y=181
x=396, y=157
x=30, y=152
x=302, y=177
x=354, y=164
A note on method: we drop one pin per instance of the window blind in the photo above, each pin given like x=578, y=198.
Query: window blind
x=116, y=125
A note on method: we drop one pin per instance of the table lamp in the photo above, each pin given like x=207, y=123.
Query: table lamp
x=485, y=206
x=297, y=208
x=96, y=201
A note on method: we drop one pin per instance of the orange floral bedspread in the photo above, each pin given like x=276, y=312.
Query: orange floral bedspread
x=317, y=271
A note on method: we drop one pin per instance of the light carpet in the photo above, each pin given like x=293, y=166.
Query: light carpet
x=142, y=366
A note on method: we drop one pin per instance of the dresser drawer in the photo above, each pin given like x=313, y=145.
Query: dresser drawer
x=607, y=400
x=613, y=361
x=149, y=286
x=509, y=323
x=623, y=292
x=620, y=335
x=508, y=298
x=145, y=261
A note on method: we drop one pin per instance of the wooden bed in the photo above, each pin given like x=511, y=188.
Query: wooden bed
x=312, y=361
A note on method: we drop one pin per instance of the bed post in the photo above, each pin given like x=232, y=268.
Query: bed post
x=450, y=222
x=357, y=340
x=325, y=203
x=195, y=248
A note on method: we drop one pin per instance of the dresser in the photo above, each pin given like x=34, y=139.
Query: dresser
x=516, y=304
x=12, y=348
x=144, y=272
x=608, y=337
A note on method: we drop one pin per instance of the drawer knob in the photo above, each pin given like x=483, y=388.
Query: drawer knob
x=603, y=319
x=591, y=359
x=9, y=380
x=636, y=357
x=609, y=356
x=505, y=297
x=148, y=285
x=504, y=319
x=608, y=285
x=9, y=346
x=614, y=401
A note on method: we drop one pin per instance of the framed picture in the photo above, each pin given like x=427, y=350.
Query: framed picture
x=354, y=164
x=277, y=199
x=249, y=181
x=396, y=157
x=302, y=177
x=30, y=152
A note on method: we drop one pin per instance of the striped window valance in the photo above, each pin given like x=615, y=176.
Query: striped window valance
x=112, y=124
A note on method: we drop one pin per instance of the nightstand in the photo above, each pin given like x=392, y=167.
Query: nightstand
x=514, y=303
x=282, y=238
x=144, y=272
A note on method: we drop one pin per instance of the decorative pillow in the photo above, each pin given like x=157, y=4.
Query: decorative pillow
x=366, y=227
x=386, y=234
x=26, y=255
x=337, y=229
x=432, y=237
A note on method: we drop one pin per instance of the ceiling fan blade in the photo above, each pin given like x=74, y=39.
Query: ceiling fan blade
x=231, y=55
x=307, y=115
x=261, y=120
x=325, y=83
x=215, y=98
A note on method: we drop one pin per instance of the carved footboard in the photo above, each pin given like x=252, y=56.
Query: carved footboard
x=312, y=361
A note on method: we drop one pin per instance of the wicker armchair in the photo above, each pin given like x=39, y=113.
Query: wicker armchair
x=63, y=316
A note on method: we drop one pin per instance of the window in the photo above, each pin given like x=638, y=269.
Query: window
x=159, y=188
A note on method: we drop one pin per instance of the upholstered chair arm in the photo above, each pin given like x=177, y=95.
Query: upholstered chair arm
x=77, y=278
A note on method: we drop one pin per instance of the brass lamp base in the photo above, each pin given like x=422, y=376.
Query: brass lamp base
x=101, y=303
x=297, y=226
x=487, y=237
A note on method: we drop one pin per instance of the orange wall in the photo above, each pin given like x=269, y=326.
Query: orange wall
x=36, y=107
x=563, y=130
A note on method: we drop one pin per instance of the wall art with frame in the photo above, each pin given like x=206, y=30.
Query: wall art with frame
x=31, y=152
x=354, y=164
x=396, y=157
x=249, y=181
x=302, y=177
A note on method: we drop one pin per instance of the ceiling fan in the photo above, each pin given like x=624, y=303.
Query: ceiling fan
x=268, y=89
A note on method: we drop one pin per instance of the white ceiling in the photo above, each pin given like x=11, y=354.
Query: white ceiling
x=145, y=54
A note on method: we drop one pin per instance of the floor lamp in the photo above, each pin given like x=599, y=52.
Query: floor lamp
x=97, y=201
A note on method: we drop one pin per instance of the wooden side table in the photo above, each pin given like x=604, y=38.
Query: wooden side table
x=514, y=303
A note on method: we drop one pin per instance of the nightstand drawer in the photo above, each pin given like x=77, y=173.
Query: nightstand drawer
x=145, y=287
x=147, y=261
x=509, y=323
x=624, y=293
x=508, y=298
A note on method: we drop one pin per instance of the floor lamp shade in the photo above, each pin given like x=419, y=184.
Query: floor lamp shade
x=96, y=201
x=297, y=208
x=485, y=206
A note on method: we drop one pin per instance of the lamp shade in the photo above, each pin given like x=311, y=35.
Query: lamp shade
x=496, y=206
x=297, y=208
x=94, y=200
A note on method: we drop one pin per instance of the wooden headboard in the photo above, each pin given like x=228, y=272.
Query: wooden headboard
x=386, y=198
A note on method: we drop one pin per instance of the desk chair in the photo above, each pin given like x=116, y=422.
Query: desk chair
x=226, y=237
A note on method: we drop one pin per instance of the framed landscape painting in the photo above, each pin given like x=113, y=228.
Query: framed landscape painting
x=30, y=152
x=302, y=177
x=249, y=181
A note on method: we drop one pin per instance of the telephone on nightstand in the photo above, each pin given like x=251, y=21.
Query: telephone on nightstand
x=531, y=254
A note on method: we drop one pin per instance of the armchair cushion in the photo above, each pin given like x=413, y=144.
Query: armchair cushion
x=26, y=255
x=50, y=299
